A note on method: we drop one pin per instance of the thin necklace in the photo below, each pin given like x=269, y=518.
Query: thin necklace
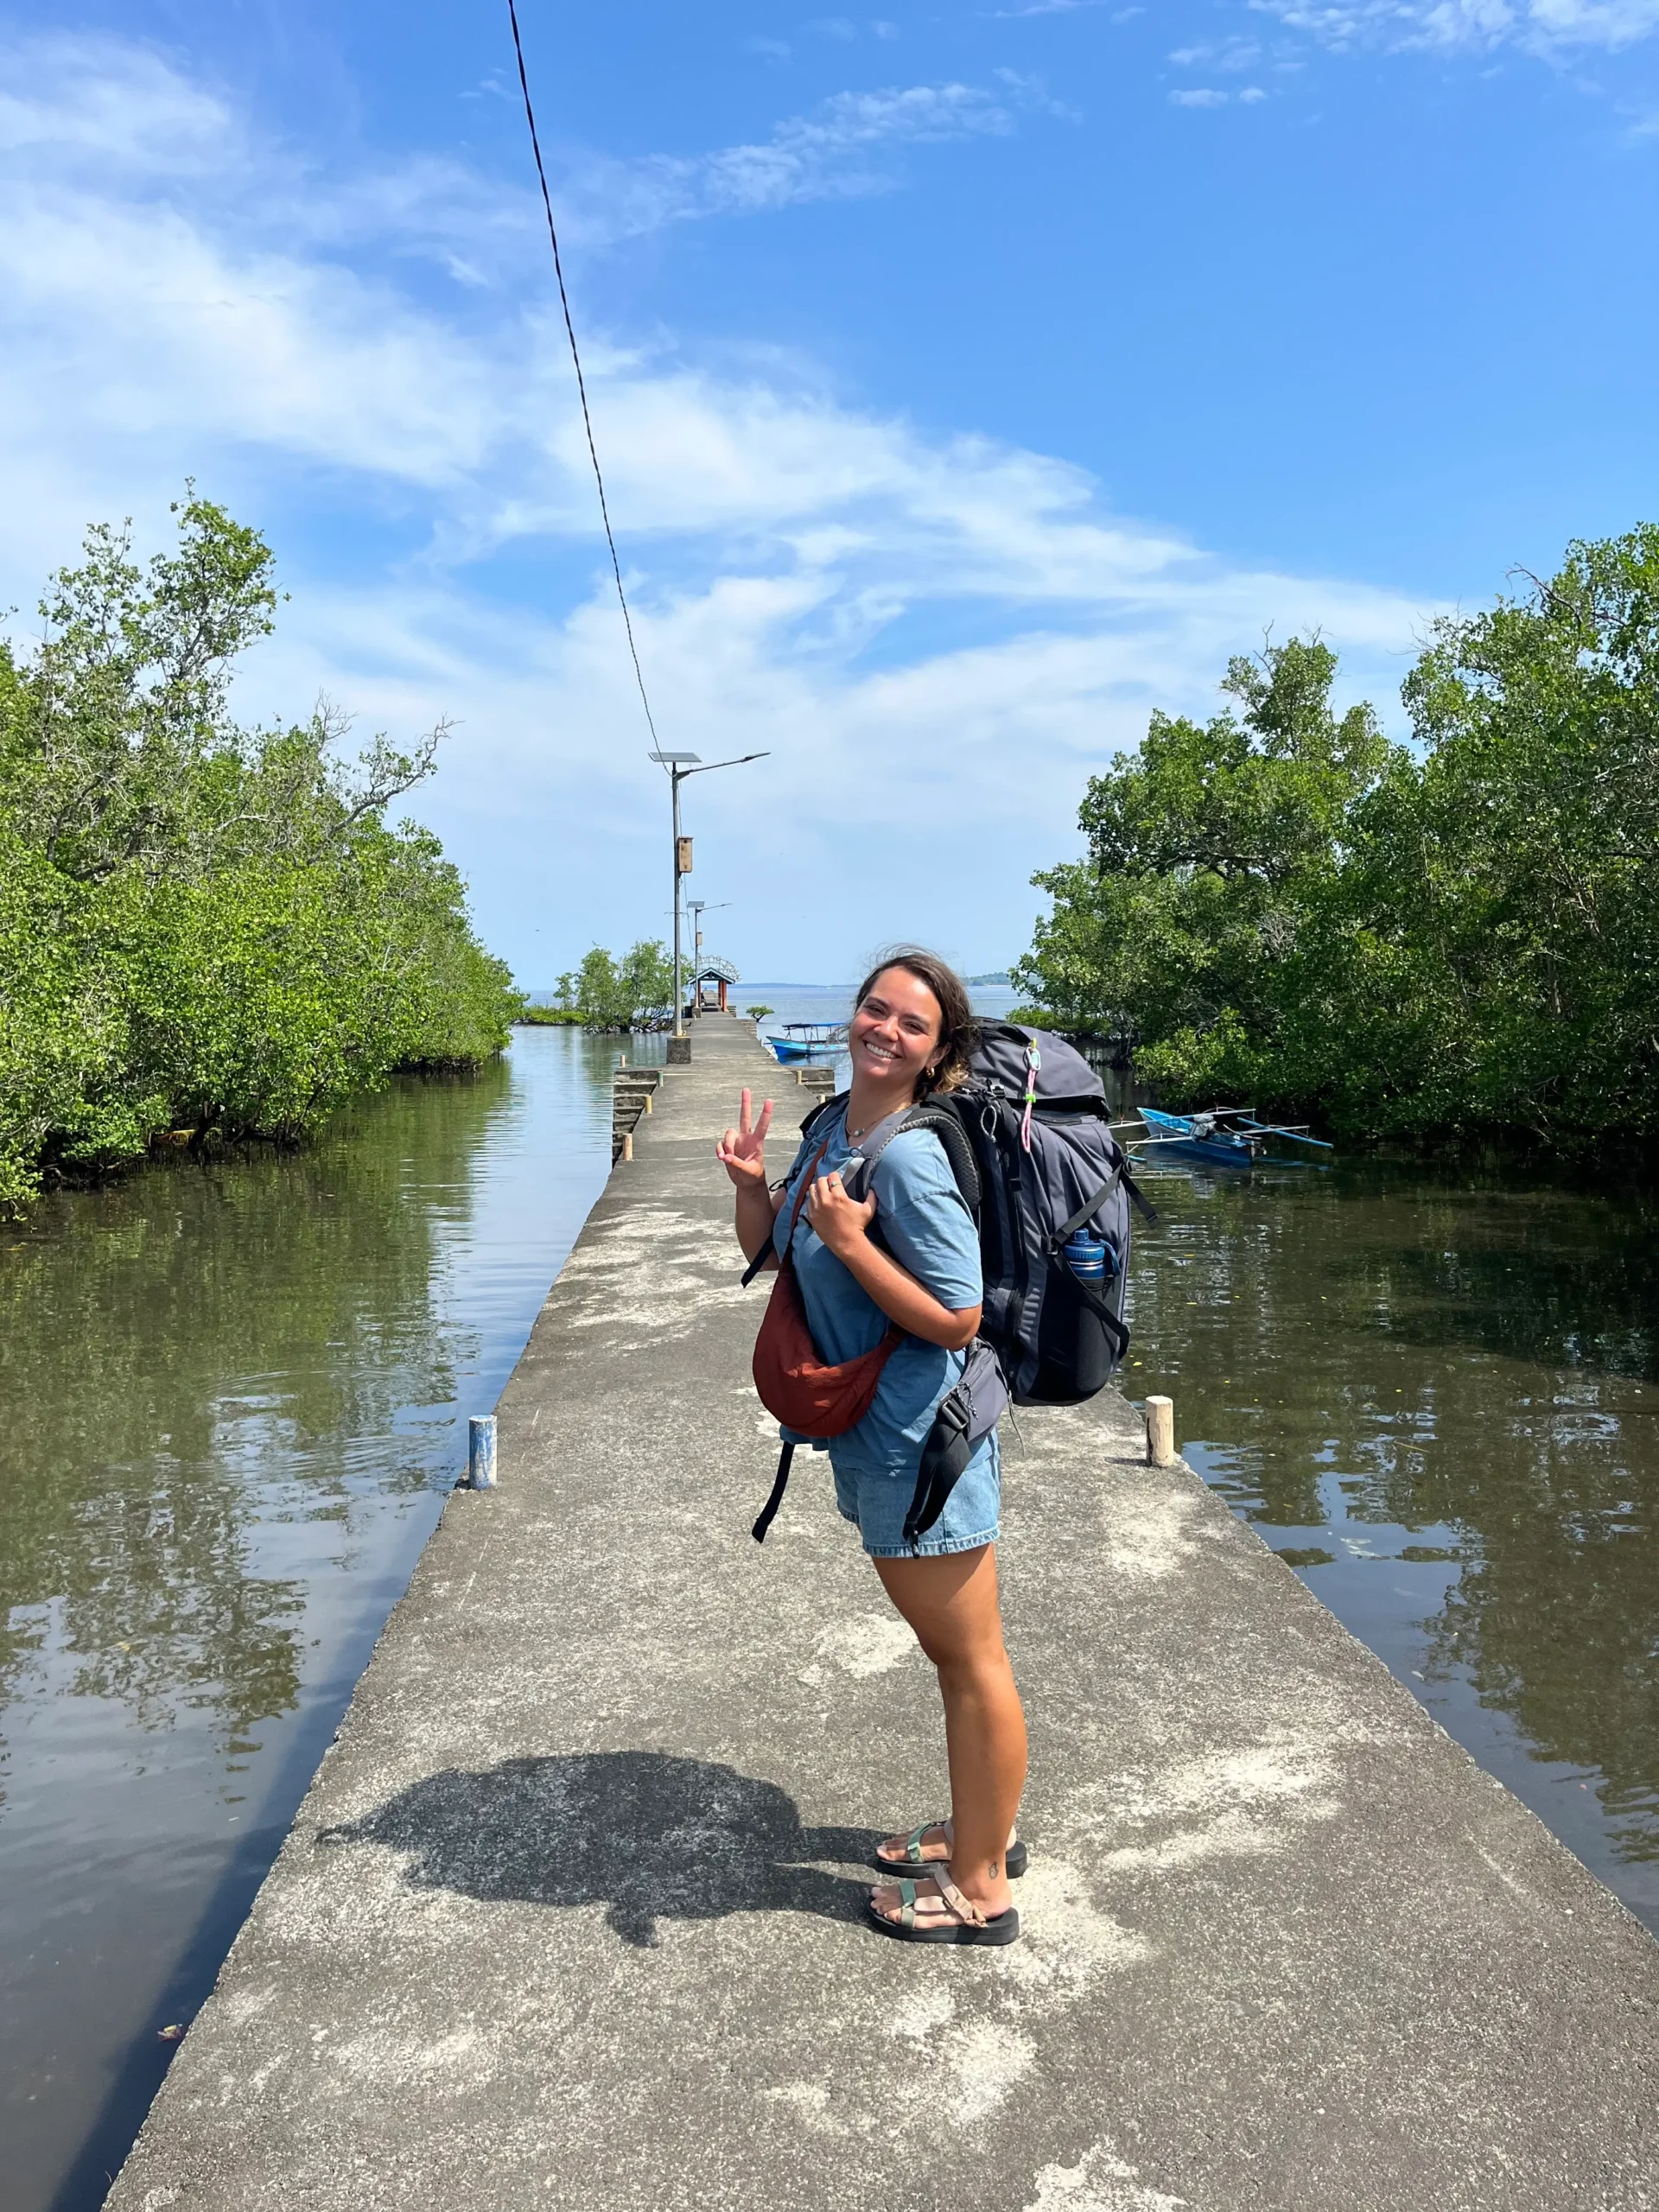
x=853, y=1135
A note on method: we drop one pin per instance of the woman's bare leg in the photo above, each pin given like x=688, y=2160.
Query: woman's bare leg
x=950, y=1602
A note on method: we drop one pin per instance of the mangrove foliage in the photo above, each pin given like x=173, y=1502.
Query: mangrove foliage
x=1457, y=937
x=204, y=927
x=632, y=993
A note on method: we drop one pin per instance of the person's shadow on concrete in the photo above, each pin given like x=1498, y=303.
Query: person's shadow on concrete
x=653, y=1837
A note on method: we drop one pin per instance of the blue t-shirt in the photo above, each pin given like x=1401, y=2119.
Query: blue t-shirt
x=930, y=1232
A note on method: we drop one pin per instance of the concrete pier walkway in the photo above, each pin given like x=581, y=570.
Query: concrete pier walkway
x=571, y=1916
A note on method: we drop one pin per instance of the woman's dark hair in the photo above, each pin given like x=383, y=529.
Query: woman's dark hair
x=959, y=1026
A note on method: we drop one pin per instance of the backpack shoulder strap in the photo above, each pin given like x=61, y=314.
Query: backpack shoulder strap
x=859, y=1168
x=945, y=1125
x=825, y=1106
x=769, y=1247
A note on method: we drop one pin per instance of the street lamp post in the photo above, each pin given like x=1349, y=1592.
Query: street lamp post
x=694, y=908
x=678, y=772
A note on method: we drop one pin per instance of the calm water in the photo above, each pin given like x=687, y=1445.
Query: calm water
x=234, y=1395
x=1437, y=1395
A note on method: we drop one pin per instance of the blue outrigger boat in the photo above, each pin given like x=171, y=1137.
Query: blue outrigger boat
x=799, y=1040
x=1224, y=1136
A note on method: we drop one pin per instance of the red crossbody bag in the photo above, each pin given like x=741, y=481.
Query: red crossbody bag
x=794, y=1384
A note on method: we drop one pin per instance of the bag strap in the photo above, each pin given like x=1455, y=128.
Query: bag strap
x=875, y=1143
x=825, y=1106
x=953, y=1140
x=1140, y=1197
x=1084, y=1212
x=780, y=1483
x=966, y=1416
x=770, y=1246
x=1117, y=1330
x=1118, y=1174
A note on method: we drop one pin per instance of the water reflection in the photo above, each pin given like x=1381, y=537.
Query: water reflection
x=231, y=1394
x=231, y=1404
x=1435, y=1397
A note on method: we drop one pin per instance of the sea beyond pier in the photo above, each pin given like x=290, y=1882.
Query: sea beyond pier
x=573, y=1913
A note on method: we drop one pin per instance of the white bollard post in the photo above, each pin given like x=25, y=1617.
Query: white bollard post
x=480, y=1451
x=627, y=1144
x=1160, y=1432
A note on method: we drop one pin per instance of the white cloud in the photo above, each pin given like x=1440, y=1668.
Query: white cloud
x=833, y=153
x=66, y=101
x=912, y=625
x=1200, y=96
x=1550, y=28
x=1060, y=8
x=1233, y=55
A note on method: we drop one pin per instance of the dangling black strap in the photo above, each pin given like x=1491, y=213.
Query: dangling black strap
x=1136, y=1192
x=1115, y=1329
x=780, y=1485
x=1118, y=1174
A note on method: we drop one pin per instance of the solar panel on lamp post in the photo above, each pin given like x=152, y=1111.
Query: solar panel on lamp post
x=676, y=775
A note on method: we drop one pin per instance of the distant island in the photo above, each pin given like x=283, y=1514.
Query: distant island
x=1002, y=977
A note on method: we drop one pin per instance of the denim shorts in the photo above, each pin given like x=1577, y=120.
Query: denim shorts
x=876, y=1500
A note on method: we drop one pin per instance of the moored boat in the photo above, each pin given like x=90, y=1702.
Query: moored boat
x=1207, y=1137
x=801, y=1041
x=1224, y=1136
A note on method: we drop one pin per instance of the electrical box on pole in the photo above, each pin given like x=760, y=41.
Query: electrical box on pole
x=683, y=848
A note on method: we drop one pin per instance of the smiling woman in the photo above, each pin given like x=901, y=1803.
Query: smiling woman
x=885, y=1294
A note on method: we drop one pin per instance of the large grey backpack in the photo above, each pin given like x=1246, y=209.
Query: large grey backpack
x=1029, y=1142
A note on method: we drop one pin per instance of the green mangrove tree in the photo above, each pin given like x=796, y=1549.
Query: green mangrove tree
x=1455, y=937
x=202, y=926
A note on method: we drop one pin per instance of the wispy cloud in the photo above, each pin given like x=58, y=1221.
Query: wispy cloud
x=1550, y=28
x=1233, y=56
x=840, y=150
x=67, y=102
x=1212, y=96
x=1056, y=8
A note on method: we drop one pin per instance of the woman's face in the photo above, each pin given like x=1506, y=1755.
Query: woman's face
x=894, y=1036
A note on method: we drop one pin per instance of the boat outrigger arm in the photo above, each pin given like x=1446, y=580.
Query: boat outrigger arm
x=1296, y=1136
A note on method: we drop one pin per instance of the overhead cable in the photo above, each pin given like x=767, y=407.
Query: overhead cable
x=581, y=388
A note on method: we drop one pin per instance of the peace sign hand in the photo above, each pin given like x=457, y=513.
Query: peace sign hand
x=742, y=1151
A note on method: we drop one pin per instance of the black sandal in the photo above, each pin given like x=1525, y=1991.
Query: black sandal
x=1015, y=1860
x=969, y=1926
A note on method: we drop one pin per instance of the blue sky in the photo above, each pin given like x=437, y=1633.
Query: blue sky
x=968, y=379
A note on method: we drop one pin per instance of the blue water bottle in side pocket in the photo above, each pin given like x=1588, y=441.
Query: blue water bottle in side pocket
x=1086, y=1257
